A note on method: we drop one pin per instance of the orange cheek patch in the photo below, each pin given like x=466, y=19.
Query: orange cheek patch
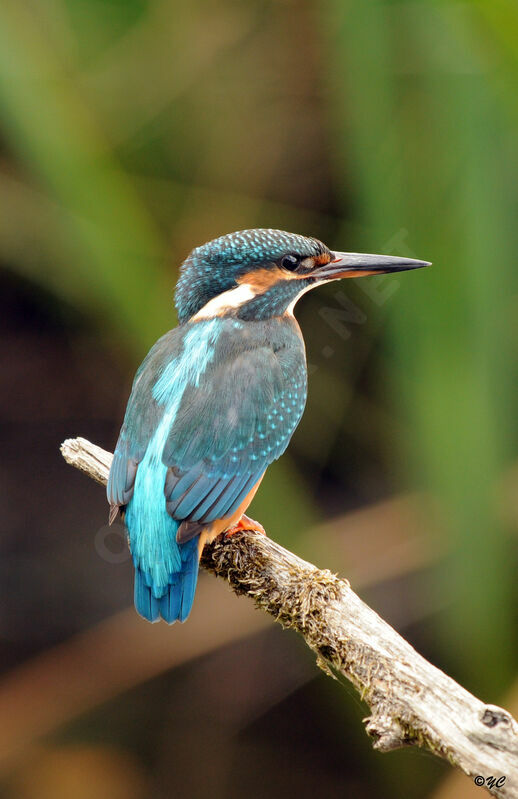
x=262, y=279
x=320, y=260
x=314, y=261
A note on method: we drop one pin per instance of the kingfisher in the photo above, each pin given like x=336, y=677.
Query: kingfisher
x=216, y=401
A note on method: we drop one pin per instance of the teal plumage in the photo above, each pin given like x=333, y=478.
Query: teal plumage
x=211, y=406
x=214, y=402
x=164, y=568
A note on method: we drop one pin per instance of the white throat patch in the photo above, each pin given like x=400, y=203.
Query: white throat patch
x=233, y=298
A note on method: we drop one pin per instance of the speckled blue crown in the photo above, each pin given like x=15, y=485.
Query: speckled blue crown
x=213, y=268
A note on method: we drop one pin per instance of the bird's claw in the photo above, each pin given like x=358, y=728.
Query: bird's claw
x=245, y=523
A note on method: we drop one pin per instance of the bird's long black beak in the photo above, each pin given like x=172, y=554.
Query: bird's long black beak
x=357, y=264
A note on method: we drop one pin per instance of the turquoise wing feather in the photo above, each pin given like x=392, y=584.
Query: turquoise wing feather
x=211, y=406
x=250, y=406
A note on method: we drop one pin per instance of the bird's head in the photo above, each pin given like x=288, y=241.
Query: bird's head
x=261, y=273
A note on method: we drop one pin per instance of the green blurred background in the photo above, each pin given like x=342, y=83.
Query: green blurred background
x=132, y=131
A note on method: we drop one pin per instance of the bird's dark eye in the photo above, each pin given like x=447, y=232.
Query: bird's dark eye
x=290, y=262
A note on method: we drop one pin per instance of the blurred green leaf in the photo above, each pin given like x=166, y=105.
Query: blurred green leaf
x=51, y=128
x=425, y=131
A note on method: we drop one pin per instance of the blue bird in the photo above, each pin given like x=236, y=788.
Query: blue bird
x=215, y=401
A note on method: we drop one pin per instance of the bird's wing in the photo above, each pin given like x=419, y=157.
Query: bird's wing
x=142, y=416
x=228, y=430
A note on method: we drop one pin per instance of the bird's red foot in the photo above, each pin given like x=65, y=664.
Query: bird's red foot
x=245, y=523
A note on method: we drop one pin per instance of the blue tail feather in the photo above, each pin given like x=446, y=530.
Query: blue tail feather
x=165, y=570
x=189, y=577
x=171, y=603
x=145, y=602
x=175, y=600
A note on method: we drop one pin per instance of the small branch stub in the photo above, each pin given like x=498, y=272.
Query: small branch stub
x=411, y=701
x=387, y=732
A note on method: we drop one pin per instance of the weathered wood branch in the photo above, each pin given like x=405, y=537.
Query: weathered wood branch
x=411, y=701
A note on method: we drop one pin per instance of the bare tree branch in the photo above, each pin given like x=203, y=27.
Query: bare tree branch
x=411, y=701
